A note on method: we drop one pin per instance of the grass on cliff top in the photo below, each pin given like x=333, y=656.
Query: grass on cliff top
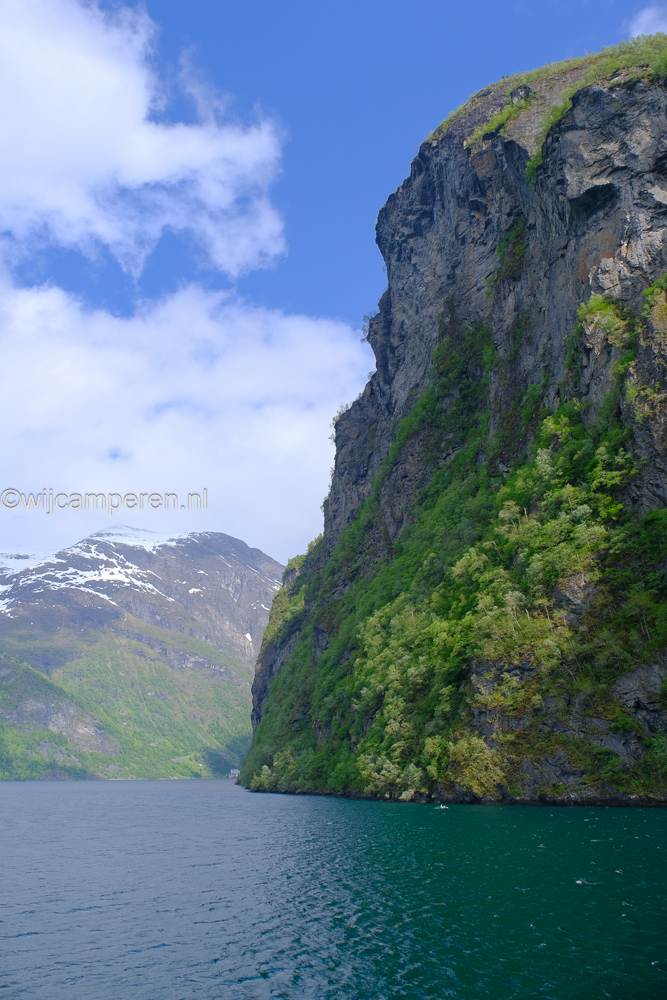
x=472, y=612
x=646, y=55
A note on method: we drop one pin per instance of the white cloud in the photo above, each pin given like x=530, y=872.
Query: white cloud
x=648, y=21
x=198, y=390
x=82, y=163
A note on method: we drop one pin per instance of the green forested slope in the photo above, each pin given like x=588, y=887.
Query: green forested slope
x=148, y=719
x=456, y=662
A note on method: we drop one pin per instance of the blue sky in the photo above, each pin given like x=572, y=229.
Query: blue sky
x=187, y=206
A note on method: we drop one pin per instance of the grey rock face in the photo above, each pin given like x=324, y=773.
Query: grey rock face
x=268, y=668
x=596, y=223
x=319, y=642
x=574, y=596
x=639, y=692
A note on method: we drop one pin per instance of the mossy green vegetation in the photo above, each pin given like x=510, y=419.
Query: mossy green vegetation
x=511, y=252
x=37, y=755
x=641, y=58
x=158, y=721
x=32, y=753
x=451, y=655
x=497, y=123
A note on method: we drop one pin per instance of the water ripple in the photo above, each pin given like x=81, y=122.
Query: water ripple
x=184, y=890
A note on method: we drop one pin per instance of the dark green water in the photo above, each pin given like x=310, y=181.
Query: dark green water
x=180, y=890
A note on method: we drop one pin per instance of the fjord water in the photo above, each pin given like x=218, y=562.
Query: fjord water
x=199, y=889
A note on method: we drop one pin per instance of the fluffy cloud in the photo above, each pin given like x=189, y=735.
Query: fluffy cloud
x=83, y=160
x=648, y=21
x=198, y=390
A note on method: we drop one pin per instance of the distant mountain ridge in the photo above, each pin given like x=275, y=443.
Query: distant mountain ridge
x=140, y=652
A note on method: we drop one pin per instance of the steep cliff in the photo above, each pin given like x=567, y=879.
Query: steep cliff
x=486, y=614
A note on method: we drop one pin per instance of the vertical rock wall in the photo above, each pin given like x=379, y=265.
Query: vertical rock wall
x=595, y=224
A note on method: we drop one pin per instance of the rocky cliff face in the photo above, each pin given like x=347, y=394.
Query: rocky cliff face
x=595, y=223
x=525, y=292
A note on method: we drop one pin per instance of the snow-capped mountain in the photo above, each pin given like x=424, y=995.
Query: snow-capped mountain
x=218, y=582
x=127, y=620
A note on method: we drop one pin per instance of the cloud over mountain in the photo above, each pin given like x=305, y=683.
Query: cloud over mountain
x=197, y=388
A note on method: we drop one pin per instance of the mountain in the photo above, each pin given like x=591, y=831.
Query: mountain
x=131, y=655
x=485, y=618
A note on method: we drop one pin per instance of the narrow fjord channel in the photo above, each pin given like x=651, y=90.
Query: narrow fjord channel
x=183, y=890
